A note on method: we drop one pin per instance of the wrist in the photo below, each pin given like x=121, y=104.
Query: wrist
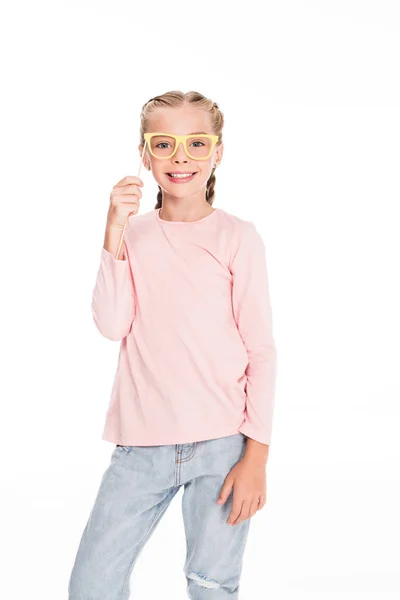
x=112, y=238
x=113, y=226
x=256, y=452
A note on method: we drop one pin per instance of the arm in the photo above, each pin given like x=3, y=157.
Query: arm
x=253, y=316
x=113, y=298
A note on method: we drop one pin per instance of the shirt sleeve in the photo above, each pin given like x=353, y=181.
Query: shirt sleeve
x=113, y=297
x=253, y=315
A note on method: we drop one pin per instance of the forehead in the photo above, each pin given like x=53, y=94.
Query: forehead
x=181, y=121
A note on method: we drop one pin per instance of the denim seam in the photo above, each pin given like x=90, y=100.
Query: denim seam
x=191, y=455
x=177, y=470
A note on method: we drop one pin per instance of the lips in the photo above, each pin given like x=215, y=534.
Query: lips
x=190, y=176
x=182, y=173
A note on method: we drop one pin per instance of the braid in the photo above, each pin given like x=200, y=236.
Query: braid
x=159, y=198
x=210, y=194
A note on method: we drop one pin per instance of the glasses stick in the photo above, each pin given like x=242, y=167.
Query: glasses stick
x=126, y=222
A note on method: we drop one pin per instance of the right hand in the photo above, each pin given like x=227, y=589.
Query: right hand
x=124, y=201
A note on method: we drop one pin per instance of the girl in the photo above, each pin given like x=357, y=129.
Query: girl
x=193, y=395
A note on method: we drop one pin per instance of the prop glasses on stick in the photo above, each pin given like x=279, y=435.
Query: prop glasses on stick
x=165, y=145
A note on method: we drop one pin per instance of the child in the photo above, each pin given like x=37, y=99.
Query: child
x=193, y=396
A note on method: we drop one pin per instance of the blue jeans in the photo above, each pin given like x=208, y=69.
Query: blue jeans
x=136, y=489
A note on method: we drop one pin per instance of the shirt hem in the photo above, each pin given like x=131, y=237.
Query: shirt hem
x=183, y=439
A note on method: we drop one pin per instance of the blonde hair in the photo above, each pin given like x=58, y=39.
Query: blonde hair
x=175, y=99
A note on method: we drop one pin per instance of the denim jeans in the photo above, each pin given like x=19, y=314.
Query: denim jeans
x=136, y=489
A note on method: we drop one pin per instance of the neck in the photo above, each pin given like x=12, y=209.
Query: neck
x=184, y=211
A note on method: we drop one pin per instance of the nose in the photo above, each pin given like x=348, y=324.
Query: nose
x=180, y=153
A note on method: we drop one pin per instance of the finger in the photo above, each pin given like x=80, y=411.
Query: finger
x=235, y=512
x=263, y=500
x=253, y=508
x=129, y=179
x=225, y=491
x=116, y=200
x=134, y=191
x=132, y=188
x=128, y=208
x=244, y=513
x=132, y=206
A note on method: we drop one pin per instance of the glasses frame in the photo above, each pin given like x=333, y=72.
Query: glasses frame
x=181, y=139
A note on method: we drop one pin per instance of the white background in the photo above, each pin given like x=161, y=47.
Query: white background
x=310, y=92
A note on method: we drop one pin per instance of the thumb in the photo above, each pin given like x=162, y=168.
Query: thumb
x=225, y=491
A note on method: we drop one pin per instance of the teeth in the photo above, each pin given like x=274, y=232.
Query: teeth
x=181, y=175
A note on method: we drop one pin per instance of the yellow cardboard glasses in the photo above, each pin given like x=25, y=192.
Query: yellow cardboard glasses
x=165, y=145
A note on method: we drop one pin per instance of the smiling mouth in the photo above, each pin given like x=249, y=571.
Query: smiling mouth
x=181, y=175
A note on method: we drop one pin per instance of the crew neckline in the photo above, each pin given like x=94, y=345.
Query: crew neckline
x=215, y=210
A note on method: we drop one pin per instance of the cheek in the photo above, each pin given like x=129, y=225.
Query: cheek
x=205, y=172
x=206, y=168
x=156, y=169
x=158, y=175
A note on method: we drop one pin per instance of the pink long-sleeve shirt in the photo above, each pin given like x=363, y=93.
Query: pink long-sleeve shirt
x=190, y=304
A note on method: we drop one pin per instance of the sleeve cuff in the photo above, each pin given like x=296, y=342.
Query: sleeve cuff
x=109, y=258
x=260, y=436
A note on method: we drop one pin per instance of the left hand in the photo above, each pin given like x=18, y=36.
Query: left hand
x=248, y=481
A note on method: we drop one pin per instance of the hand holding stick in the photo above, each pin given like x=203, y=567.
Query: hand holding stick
x=127, y=219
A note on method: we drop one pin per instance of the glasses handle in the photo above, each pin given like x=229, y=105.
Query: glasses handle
x=126, y=222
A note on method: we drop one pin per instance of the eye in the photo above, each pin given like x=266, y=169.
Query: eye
x=160, y=144
x=198, y=142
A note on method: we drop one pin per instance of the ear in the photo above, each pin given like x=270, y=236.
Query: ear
x=218, y=153
x=145, y=161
